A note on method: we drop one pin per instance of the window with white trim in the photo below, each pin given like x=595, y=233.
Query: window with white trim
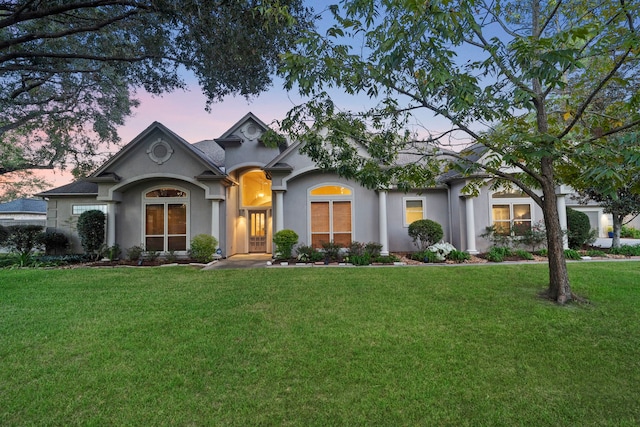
x=80, y=209
x=414, y=209
x=166, y=217
x=330, y=208
x=511, y=212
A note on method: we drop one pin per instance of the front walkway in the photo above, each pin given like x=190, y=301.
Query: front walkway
x=241, y=261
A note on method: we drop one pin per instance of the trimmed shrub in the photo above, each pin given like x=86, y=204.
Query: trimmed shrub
x=285, y=240
x=203, y=246
x=524, y=254
x=579, y=229
x=91, y=231
x=425, y=233
x=55, y=243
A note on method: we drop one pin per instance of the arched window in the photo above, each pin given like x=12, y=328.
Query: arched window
x=331, y=212
x=256, y=189
x=166, y=218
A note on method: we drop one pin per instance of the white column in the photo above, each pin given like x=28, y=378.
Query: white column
x=382, y=222
x=111, y=224
x=215, y=219
x=279, y=208
x=470, y=225
x=562, y=213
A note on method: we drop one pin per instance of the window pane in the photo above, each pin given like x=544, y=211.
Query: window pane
x=414, y=211
x=177, y=219
x=318, y=239
x=166, y=192
x=155, y=219
x=501, y=213
x=341, y=217
x=521, y=227
x=79, y=209
x=522, y=211
x=256, y=189
x=335, y=190
x=344, y=239
x=502, y=227
x=320, y=217
x=154, y=244
x=177, y=243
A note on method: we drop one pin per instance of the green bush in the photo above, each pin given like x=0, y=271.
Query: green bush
x=285, y=240
x=331, y=250
x=498, y=253
x=134, y=253
x=91, y=231
x=22, y=240
x=4, y=233
x=626, y=250
x=579, y=229
x=54, y=242
x=572, y=254
x=425, y=233
x=203, y=246
x=629, y=233
x=309, y=254
x=458, y=256
x=523, y=254
x=596, y=252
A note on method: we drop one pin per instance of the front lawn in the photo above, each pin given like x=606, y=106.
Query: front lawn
x=464, y=345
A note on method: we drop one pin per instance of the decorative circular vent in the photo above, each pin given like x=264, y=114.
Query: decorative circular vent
x=251, y=131
x=160, y=151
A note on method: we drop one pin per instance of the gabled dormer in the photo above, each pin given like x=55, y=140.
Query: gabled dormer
x=244, y=146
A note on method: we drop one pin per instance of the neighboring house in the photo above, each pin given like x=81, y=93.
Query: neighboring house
x=159, y=191
x=23, y=212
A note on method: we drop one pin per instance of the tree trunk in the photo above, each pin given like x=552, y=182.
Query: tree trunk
x=617, y=228
x=559, y=288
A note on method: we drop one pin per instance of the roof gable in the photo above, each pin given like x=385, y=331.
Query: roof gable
x=198, y=155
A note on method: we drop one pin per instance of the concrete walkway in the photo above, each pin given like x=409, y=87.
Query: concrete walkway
x=241, y=261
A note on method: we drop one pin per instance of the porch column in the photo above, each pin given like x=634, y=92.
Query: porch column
x=279, y=208
x=382, y=222
x=215, y=219
x=111, y=224
x=561, y=203
x=470, y=225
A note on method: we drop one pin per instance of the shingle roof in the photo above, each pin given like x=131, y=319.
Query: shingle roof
x=74, y=188
x=24, y=206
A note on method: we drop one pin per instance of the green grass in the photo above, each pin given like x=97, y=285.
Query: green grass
x=457, y=346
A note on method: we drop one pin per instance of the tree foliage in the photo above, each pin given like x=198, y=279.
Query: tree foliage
x=496, y=72
x=69, y=70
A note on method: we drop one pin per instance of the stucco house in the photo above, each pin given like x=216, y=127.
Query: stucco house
x=159, y=191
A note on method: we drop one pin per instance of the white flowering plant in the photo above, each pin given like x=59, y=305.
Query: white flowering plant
x=441, y=250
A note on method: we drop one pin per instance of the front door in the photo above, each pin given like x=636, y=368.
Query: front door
x=258, y=231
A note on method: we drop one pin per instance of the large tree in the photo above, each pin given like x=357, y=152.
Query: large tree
x=494, y=70
x=604, y=174
x=69, y=69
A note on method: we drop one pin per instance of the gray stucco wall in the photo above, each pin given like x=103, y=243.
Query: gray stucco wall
x=296, y=207
x=129, y=213
x=436, y=207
